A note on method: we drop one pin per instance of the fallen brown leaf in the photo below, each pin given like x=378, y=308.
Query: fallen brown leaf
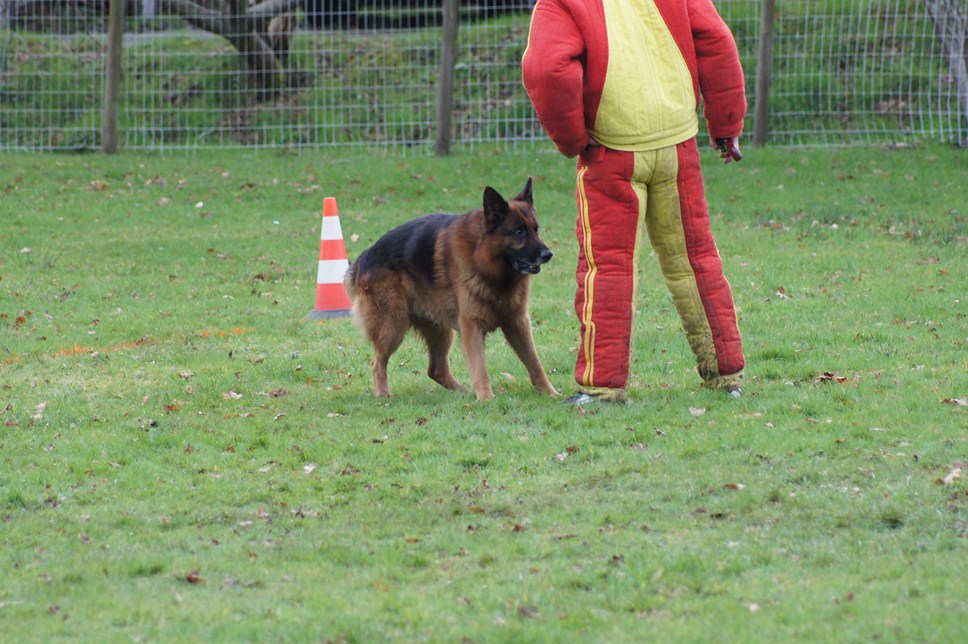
x=829, y=376
x=528, y=612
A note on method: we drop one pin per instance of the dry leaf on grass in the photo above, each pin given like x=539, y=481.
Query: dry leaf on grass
x=953, y=475
x=561, y=456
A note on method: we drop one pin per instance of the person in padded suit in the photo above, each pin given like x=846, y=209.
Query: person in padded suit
x=617, y=83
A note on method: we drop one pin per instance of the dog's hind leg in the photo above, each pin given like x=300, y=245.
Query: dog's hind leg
x=439, y=340
x=384, y=346
x=386, y=323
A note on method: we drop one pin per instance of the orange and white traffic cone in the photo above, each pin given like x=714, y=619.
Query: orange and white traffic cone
x=332, y=300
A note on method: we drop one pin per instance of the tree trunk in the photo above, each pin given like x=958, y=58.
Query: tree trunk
x=259, y=32
x=951, y=25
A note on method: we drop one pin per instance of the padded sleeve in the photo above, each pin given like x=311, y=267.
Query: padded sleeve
x=721, y=81
x=553, y=75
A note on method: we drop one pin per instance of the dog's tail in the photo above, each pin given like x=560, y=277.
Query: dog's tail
x=349, y=280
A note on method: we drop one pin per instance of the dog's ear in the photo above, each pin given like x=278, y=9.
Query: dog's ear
x=526, y=195
x=495, y=207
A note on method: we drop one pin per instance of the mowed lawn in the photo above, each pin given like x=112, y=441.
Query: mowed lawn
x=184, y=456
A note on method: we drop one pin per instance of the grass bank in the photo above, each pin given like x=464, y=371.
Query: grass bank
x=184, y=455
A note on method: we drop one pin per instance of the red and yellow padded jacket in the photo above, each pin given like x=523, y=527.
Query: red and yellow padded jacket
x=629, y=73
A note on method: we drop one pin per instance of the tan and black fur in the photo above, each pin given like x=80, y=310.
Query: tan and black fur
x=440, y=273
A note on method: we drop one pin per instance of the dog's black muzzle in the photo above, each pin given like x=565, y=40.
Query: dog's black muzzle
x=532, y=265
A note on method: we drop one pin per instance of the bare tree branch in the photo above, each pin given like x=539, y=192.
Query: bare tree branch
x=204, y=17
x=264, y=48
x=272, y=8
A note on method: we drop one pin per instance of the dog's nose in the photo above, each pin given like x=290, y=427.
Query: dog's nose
x=546, y=255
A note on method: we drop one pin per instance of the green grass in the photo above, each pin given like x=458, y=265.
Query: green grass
x=141, y=498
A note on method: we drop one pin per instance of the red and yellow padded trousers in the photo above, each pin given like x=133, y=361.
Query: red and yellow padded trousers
x=618, y=192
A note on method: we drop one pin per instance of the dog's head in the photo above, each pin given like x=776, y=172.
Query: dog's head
x=513, y=227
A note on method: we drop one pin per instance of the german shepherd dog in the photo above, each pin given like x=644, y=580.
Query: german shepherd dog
x=440, y=273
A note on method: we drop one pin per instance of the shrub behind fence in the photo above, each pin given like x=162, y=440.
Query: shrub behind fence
x=366, y=74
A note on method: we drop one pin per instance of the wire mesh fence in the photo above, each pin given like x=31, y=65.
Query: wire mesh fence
x=318, y=73
x=856, y=71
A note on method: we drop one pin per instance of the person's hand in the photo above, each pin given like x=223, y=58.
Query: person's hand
x=728, y=149
x=594, y=150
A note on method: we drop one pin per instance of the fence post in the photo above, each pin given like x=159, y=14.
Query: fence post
x=112, y=78
x=764, y=64
x=448, y=60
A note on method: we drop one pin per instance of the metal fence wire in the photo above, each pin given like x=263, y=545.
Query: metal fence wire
x=319, y=73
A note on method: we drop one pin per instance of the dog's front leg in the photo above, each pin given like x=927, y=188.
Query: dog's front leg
x=518, y=335
x=472, y=345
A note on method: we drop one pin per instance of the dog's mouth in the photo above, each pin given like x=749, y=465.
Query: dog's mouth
x=531, y=265
x=526, y=267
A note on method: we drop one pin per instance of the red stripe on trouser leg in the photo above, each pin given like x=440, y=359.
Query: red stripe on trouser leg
x=714, y=290
x=608, y=218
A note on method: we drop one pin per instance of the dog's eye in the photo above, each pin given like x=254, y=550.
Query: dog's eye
x=521, y=232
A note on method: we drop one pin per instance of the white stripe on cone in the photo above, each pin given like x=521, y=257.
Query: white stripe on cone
x=331, y=229
x=331, y=271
